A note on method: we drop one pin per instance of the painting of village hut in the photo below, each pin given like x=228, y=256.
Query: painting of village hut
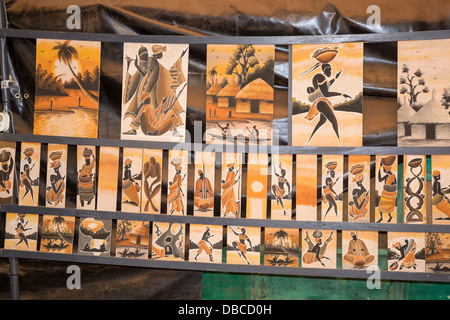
x=154, y=91
x=406, y=251
x=7, y=162
x=21, y=231
x=360, y=249
x=94, y=237
x=132, y=239
x=327, y=85
x=67, y=88
x=437, y=258
x=30, y=158
x=168, y=241
x=423, y=117
x=281, y=247
x=440, y=173
x=239, y=94
x=57, y=234
x=205, y=243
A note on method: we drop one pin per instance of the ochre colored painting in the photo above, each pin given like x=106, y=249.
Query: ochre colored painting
x=358, y=188
x=67, y=88
x=7, y=162
x=281, y=188
x=257, y=174
x=168, y=241
x=177, y=186
x=86, y=177
x=55, y=195
x=306, y=184
x=359, y=249
x=205, y=243
x=230, y=200
x=108, y=175
x=437, y=258
x=327, y=85
x=151, y=181
x=57, y=234
x=406, y=251
x=239, y=94
x=30, y=158
x=205, y=163
x=243, y=245
x=414, y=189
x=21, y=231
x=332, y=187
x=440, y=173
x=386, y=185
x=154, y=91
x=132, y=239
x=281, y=247
x=94, y=237
x=131, y=180
x=319, y=248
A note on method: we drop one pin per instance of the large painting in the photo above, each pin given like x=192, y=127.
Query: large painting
x=67, y=88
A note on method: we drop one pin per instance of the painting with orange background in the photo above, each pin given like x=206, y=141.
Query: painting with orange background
x=131, y=180
x=386, y=185
x=332, y=187
x=414, y=189
x=306, y=193
x=359, y=188
x=205, y=243
x=30, y=158
x=230, y=200
x=55, y=195
x=243, y=245
x=281, y=188
x=205, y=163
x=108, y=175
x=359, y=249
x=437, y=258
x=281, y=247
x=319, y=248
x=67, y=88
x=94, y=237
x=177, y=185
x=257, y=174
x=406, y=251
x=168, y=241
x=57, y=234
x=151, y=181
x=132, y=239
x=7, y=165
x=440, y=173
x=327, y=85
x=86, y=177
x=21, y=231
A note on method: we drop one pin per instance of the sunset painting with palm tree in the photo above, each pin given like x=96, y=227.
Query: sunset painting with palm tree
x=67, y=88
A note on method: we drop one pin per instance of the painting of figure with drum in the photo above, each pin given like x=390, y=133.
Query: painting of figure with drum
x=319, y=248
x=205, y=243
x=67, y=88
x=360, y=248
x=7, y=162
x=423, y=92
x=240, y=94
x=386, y=189
x=154, y=91
x=437, y=259
x=30, y=158
x=281, y=247
x=21, y=231
x=406, y=251
x=440, y=174
x=327, y=108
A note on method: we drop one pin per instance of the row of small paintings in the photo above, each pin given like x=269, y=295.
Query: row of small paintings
x=406, y=251
x=327, y=92
x=320, y=193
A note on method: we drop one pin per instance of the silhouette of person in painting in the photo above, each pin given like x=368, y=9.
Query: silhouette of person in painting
x=278, y=188
x=240, y=245
x=329, y=195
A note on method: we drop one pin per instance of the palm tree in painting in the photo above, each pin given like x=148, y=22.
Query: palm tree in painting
x=59, y=222
x=281, y=235
x=65, y=54
x=212, y=73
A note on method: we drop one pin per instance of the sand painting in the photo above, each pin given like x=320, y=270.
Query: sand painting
x=306, y=189
x=56, y=176
x=205, y=243
x=7, y=162
x=177, y=188
x=86, y=177
x=414, y=189
x=30, y=158
x=319, y=248
x=386, y=185
x=132, y=239
x=440, y=173
x=332, y=187
x=108, y=175
x=168, y=241
x=359, y=188
x=94, y=237
x=359, y=249
x=57, y=234
x=257, y=174
x=131, y=180
x=281, y=247
x=437, y=258
x=204, y=183
x=281, y=188
x=151, y=181
x=243, y=245
x=21, y=231
x=406, y=251
x=230, y=200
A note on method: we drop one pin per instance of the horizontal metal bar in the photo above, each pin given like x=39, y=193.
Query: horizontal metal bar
x=283, y=40
x=223, y=267
x=398, y=227
x=365, y=150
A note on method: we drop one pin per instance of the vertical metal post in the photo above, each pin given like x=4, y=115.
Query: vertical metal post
x=14, y=278
x=4, y=59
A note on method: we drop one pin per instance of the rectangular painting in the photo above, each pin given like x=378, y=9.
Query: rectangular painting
x=132, y=239
x=86, y=177
x=21, y=231
x=359, y=188
x=386, y=185
x=414, y=189
x=440, y=173
x=205, y=243
x=205, y=165
x=168, y=241
x=437, y=259
x=108, y=176
x=243, y=245
x=154, y=91
x=94, y=237
x=56, y=176
x=319, y=248
x=281, y=188
x=151, y=181
x=327, y=87
x=406, y=251
x=257, y=174
x=239, y=94
x=306, y=187
x=67, y=88
x=30, y=159
x=177, y=186
x=131, y=180
x=423, y=93
x=57, y=234
x=281, y=247
x=7, y=160
x=332, y=187
x=230, y=200
x=360, y=249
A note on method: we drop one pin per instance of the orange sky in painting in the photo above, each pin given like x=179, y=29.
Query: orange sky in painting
x=306, y=180
x=257, y=185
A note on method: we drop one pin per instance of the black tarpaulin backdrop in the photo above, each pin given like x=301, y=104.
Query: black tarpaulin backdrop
x=200, y=18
